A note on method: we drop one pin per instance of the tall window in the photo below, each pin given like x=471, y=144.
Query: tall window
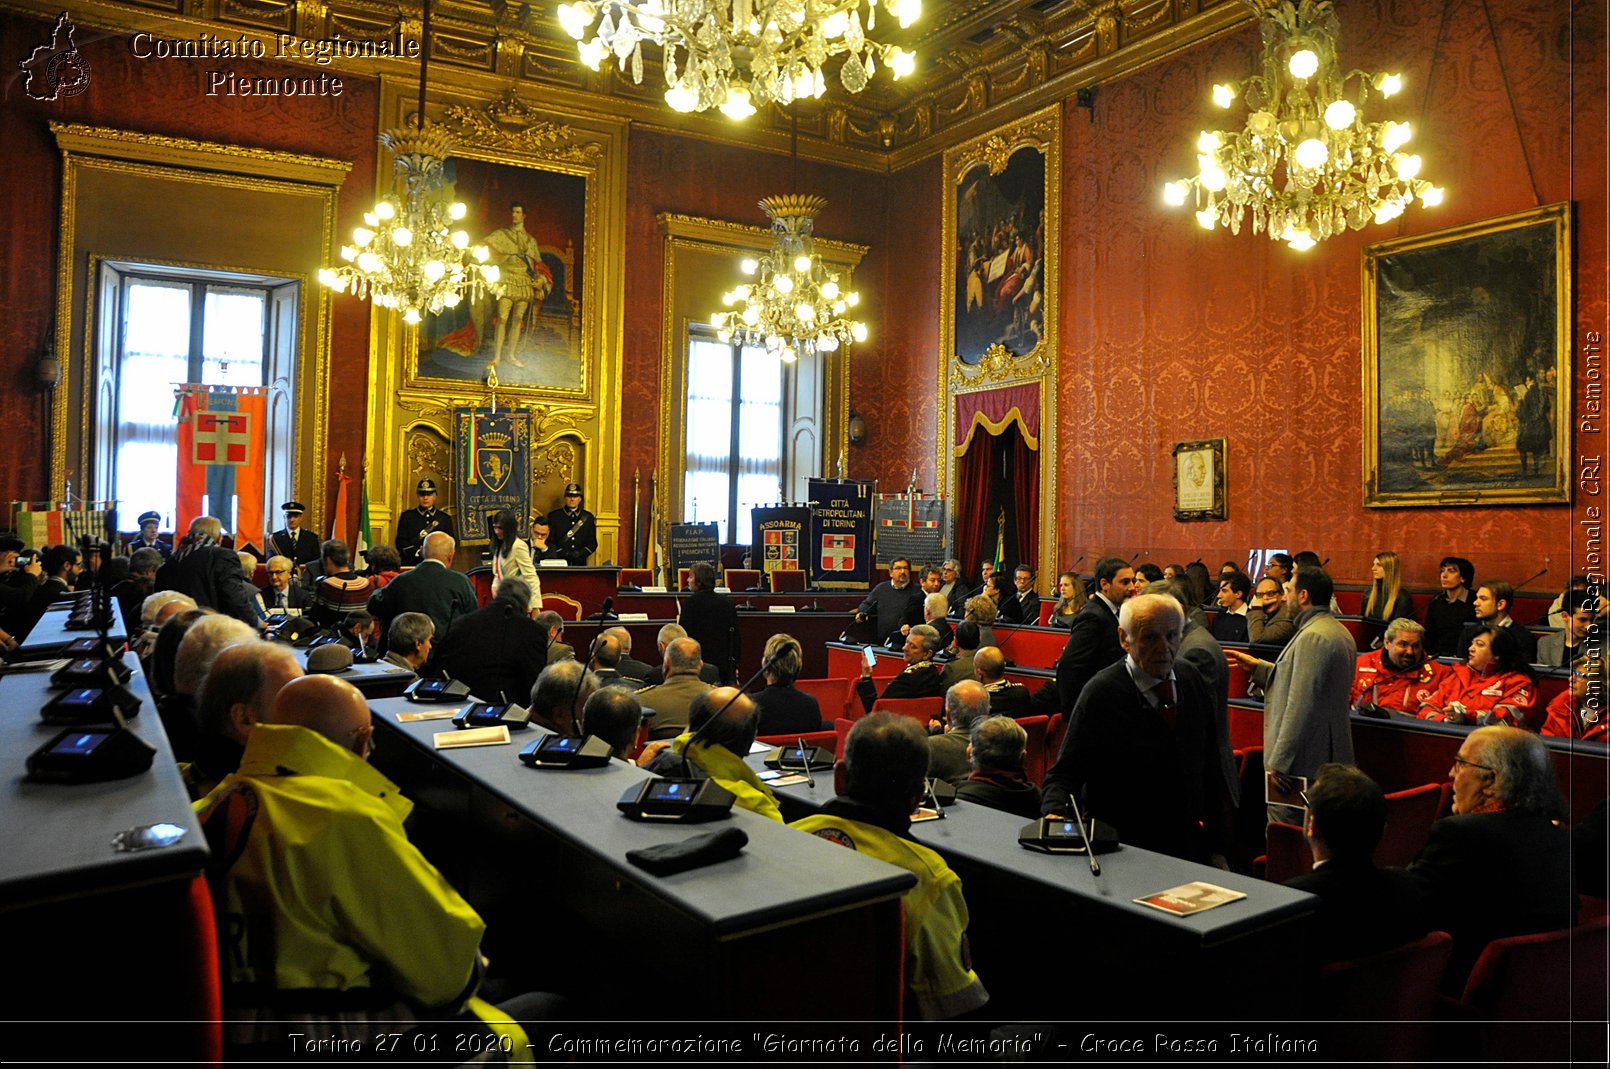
x=734, y=434
x=170, y=328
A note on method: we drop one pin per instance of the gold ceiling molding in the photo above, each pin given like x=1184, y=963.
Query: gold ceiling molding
x=999, y=367
x=982, y=62
x=511, y=123
x=164, y=151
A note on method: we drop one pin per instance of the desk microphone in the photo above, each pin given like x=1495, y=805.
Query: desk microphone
x=1522, y=584
x=1089, y=832
x=603, y=614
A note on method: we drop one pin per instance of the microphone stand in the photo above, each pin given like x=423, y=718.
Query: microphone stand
x=1089, y=833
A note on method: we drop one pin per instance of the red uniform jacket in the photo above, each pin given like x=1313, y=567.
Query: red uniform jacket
x=1565, y=721
x=1376, y=681
x=1496, y=698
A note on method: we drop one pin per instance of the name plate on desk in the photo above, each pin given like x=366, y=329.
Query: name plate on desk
x=553, y=562
x=779, y=608
x=653, y=590
x=625, y=616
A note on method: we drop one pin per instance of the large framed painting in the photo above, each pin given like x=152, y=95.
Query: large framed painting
x=1467, y=371
x=1000, y=240
x=533, y=336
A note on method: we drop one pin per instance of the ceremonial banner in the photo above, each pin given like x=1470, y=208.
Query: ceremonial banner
x=492, y=471
x=221, y=458
x=41, y=523
x=694, y=542
x=779, y=538
x=911, y=526
x=841, y=533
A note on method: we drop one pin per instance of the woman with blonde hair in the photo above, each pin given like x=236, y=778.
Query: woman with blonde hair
x=1387, y=599
x=1070, y=599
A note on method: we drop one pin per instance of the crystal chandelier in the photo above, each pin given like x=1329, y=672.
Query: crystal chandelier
x=794, y=307
x=1306, y=165
x=407, y=254
x=736, y=54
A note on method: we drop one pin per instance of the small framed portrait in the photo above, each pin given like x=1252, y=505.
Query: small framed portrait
x=1200, y=490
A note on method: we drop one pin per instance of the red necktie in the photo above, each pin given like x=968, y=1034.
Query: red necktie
x=1165, y=701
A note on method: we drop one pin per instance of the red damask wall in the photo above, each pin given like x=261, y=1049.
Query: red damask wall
x=1171, y=333
x=168, y=98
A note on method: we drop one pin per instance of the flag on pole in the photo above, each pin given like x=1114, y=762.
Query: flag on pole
x=220, y=457
x=1000, y=542
x=365, y=536
x=338, y=525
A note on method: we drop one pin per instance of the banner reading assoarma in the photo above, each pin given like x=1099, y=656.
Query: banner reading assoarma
x=841, y=532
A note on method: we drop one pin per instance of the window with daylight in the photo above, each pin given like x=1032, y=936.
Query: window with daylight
x=734, y=434
x=160, y=327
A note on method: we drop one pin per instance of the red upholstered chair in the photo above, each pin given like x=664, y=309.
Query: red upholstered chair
x=1593, y=908
x=1397, y=989
x=684, y=578
x=921, y=710
x=1239, y=679
x=827, y=740
x=1288, y=854
x=481, y=581
x=569, y=608
x=201, y=943
x=636, y=577
x=841, y=731
x=1409, y=815
x=1554, y=977
x=743, y=578
x=1034, y=761
x=1246, y=727
x=260, y=577
x=1054, y=731
x=836, y=697
x=788, y=581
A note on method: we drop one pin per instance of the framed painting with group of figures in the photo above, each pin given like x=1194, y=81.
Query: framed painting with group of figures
x=1467, y=363
x=533, y=222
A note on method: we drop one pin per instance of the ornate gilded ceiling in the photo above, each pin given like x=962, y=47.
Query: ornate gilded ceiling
x=980, y=62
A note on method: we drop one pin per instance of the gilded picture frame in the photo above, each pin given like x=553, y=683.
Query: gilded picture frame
x=1201, y=481
x=1467, y=375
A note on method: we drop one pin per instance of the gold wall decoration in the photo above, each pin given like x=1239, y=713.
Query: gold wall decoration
x=999, y=286
x=279, y=205
x=568, y=170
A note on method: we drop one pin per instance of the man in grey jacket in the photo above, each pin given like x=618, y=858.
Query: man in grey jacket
x=1305, y=713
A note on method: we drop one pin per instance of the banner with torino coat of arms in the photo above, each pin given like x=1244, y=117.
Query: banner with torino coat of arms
x=841, y=532
x=492, y=472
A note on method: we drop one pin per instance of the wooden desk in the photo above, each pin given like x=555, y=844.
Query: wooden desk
x=512, y=838
x=1051, y=940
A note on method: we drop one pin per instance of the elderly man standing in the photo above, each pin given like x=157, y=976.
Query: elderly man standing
x=893, y=602
x=1143, y=746
x=1499, y=866
x=433, y=588
x=1305, y=703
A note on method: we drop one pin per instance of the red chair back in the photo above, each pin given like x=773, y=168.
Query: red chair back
x=636, y=577
x=788, y=580
x=743, y=578
x=1550, y=976
x=1246, y=728
x=1034, y=760
x=836, y=697
x=1054, y=731
x=921, y=710
x=1409, y=815
x=1397, y=989
x=1288, y=855
x=481, y=581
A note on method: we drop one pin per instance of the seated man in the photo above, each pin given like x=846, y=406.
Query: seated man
x=559, y=695
x=667, y=635
x=966, y=703
x=283, y=595
x=207, y=636
x=238, y=691
x=339, y=924
x=340, y=590
x=672, y=700
x=719, y=751
x=553, y=625
x=614, y=715
x=1230, y=623
x=497, y=650
x=997, y=780
x=1572, y=714
x=1005, y=697
x=965, y=646
x=1022, y=606
x=1500, y=865
x=885, y=758
x=934, y=608
x=1492, y=604
x=1363, y=909
x=630, y=668
x=605, y=663
x=1561, y=649
x=408, y=643
x=1398, y=677
x=1270, y=622
x=1449, y=612
x=921, y=678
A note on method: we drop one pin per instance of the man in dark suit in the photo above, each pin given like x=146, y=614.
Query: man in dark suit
x=209, y=573
x=711, y=620
x=1363, y=909
x=284, y=593
x=1230, y=622
x=433, y=588
x=921, y=678
x=1005, y=697
x=1499, y=866
x=498, y=651
x=61, y=566
x=1200, y=650
x=1023, y=607
x=893, y=602
x=1143, y=748
x=1492, y=604
x=292, y=540
x=1093, y=637
x=630, y=668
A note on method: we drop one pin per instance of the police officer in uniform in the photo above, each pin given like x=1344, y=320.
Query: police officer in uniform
x=416, y=523
x=147, y=538
x=291, y=540
x=573, y=532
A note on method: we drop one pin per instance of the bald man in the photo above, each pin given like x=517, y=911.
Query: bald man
x=672, y=700
x=720, y=751
x=237, y=693
x=1005, y=698
x=332, y=911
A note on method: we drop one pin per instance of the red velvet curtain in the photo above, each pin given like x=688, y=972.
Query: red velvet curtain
x=1024, y=464
x=997, y=471
x=971, y=503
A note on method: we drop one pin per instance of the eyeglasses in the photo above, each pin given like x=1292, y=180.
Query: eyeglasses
x=1459, y=762
x=1268, y=593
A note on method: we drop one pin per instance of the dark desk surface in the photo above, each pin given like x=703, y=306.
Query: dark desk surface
x=51, y=631
x=780, y=876
x=379, y=679
x=57, y=838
